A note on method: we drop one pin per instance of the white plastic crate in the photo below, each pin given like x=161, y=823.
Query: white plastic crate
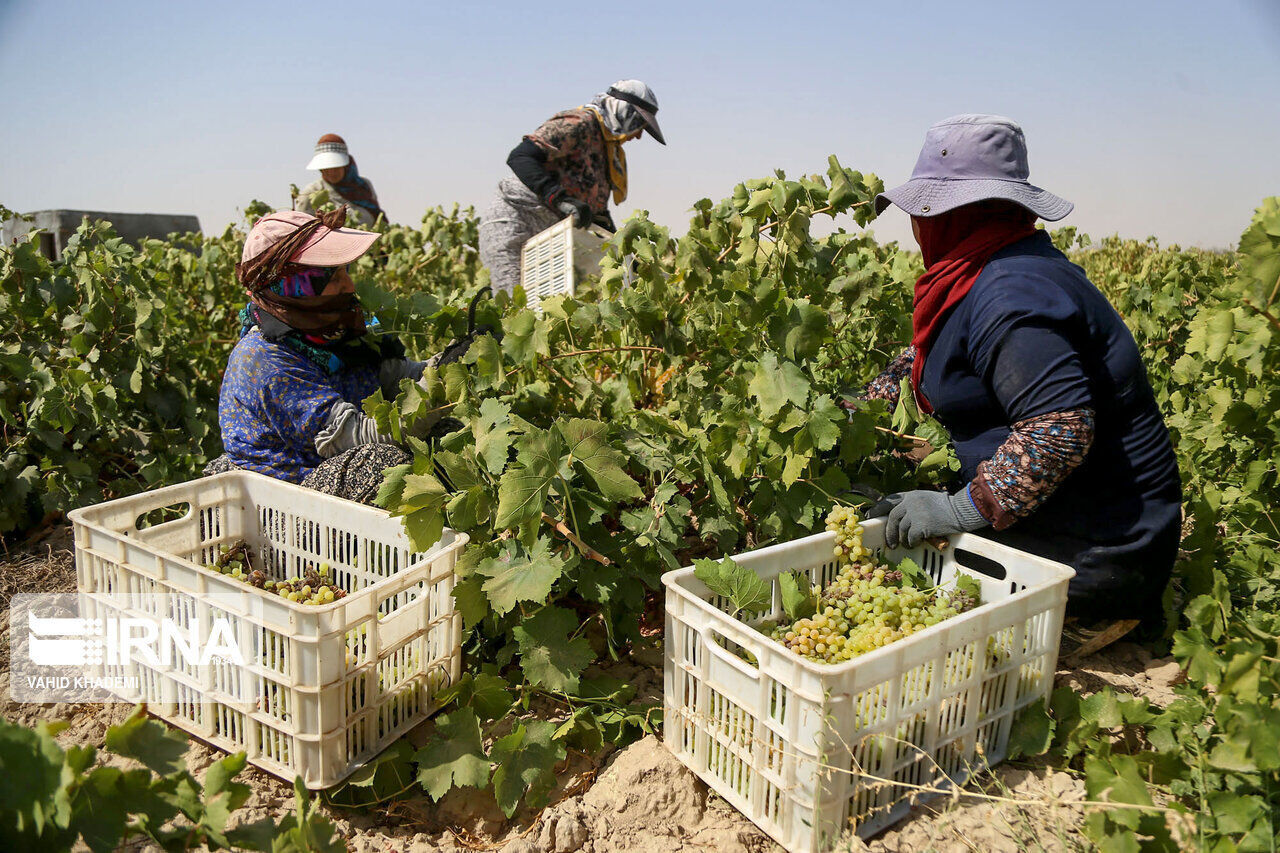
x=808, y=750
x=324, y=688
x=552, y=261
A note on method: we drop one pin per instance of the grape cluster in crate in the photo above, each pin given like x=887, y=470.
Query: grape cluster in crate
x=868, y=605
x=316, y=586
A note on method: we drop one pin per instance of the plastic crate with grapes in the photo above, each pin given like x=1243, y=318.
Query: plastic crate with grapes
x=347, y=634
x=824, y=685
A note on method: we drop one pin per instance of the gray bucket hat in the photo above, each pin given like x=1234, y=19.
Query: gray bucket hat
x=970, y=158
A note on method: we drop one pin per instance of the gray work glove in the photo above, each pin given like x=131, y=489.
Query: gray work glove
x=922, y=514
x=579, y=210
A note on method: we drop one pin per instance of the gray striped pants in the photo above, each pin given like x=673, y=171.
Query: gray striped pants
x=514, y=215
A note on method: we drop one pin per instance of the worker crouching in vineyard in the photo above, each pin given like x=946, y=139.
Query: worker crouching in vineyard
x=1035, y=377
x=291, y=397
x=340, y=180
x=567, y=167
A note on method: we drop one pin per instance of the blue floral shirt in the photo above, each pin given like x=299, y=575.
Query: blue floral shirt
x=275, y=401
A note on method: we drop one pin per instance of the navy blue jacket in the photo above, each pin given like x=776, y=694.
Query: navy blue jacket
x=1035, y=336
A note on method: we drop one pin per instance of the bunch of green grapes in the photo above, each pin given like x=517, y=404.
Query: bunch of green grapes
x=862, y=610
x=866, y=606
x=844, y=522
x=314, y=587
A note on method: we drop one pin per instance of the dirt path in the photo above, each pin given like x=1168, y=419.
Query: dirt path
x=637, y=799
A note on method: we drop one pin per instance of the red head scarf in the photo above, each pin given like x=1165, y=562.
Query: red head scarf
x=956, y=246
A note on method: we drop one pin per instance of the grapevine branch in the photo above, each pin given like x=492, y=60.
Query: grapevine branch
x=1271, y=318
x=585, y=549
x=600, y=350
x=897, y=434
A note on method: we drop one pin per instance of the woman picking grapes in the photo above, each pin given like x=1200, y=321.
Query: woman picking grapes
x=292, y=391
x=1035, y=377
x=570, y=166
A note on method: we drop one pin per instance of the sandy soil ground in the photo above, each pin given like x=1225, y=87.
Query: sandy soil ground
x=637, y=799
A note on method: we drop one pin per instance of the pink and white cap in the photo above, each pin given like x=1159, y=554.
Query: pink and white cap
x=328, y=247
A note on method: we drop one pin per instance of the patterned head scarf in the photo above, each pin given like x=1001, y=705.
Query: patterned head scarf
x=293, y=294
x=619, y=117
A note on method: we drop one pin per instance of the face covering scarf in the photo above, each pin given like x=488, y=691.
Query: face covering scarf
x=357, y=190
x=618, y=122
x=325, y=316
x=956, y=246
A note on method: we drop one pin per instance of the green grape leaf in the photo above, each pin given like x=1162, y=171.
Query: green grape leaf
x=1031, y=732
x=491, y=428
x=472, y=602
x=969, y=584
x=391, y=491
x=307, y=830
x=798, y=598
x=486, y=357
x=513, y=577
x=525, y=762
x=549, y=657
x=158, y=747
x=589, y=448
x=523, y=489
x=386, y=776
x=913, y=575
x=454, y=757
x=487, y=694
x=743, y=587
x=776, y=384
x=524, y=337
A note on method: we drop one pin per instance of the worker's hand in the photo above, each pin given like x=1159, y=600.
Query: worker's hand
x=922, y=514
x=605, y=220
x=579, y=210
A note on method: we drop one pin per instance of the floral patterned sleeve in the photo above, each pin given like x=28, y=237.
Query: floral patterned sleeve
x=1031, y=463
x=886, y=385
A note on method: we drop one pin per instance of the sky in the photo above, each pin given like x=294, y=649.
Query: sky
x=1155, y=118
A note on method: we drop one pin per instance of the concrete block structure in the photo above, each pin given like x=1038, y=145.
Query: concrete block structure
x=57, y=226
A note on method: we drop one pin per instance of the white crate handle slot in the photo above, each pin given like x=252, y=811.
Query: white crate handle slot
x=711, y=634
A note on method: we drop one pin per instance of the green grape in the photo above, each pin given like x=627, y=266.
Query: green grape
x=865, y=607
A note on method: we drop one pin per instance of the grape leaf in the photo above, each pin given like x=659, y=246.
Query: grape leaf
x=969, y=584
x=486, y=357
x=548, y=656
x=454, y=757
x=524, y=337
x=158, y=747
x=392, y=487
x=774, y=385
x=523, y=490
x=525, y=763
x=1031, y=732
x=422, y=504
x=378, y=780
x=743, y=587
x=913, y=575
x=798, y=598
x=492, y=431
x=307, y=830
x=488, y=694
x=602, y=464
x=513, y=577
x=472, y=603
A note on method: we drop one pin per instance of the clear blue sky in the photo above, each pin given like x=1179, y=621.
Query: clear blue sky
x=1154, y=117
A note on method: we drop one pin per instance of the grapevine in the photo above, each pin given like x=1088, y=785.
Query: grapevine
x=692, y=413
